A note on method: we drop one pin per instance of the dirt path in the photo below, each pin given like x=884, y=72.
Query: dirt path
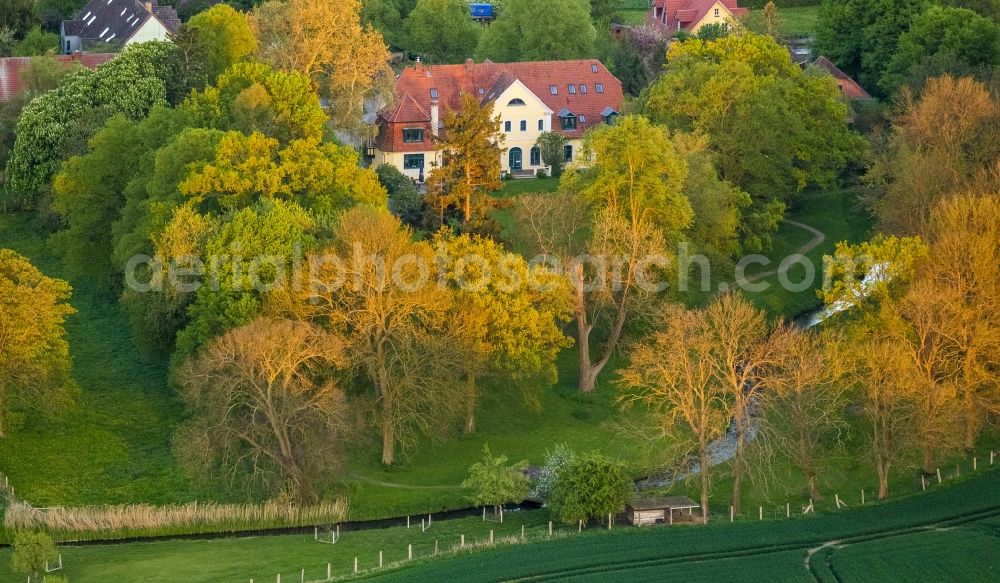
x=375, y=482
x=816, y=241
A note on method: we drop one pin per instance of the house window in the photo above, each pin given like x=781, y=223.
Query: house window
x=536, y=156
x=569, y=122
x=583, y=118
x=593, y=68
x=716, y=12
x=568, y=153
x=482, y=91
x=412, y=135
x=611, y=118
x=524, y=125
x=553, y=90
x=583, y=87
x=506, y=126
x=541, y=125
x=413, y=161
x=599, y=88
x=434, y=93
x=572, y=89
x=516, y=101
x=67, y=47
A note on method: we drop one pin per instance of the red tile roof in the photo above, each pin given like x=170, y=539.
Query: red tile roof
x=487, y=80
x=11, y=69
x=850, y=88
x=688, y=13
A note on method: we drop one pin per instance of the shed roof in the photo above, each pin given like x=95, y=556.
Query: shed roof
x=664, y=503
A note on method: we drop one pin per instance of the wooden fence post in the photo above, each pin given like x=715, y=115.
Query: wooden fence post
x=355, y=565
x=939, y=475
x=579, y=526
x=974, y=464
x=407, y=522
x=435, y=547
x=484, y=514
x=522, y=532
x=862, y=496
x=302, y=576
x=463, y=541
x=992, y=453
x=731, y=515
x=609, y=521
x=329, y=571
x=788, y=510
x=550, y=529
x=409, y=552
x=380, y=559
x=923, y=481
x=761, y=512
x=491, y=536
x=501, y=514
x=278, y=579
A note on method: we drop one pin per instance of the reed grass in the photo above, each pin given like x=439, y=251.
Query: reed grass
x=90, y=523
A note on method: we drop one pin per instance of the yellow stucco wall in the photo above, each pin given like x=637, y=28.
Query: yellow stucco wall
x=710, y=18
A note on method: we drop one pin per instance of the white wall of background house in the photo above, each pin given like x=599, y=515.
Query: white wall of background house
x=152, y=29
x=523, y=117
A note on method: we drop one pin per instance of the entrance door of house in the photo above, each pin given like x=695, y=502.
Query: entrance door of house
x=514, y=159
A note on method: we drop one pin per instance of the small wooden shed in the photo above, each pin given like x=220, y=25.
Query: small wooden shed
x=648, y=511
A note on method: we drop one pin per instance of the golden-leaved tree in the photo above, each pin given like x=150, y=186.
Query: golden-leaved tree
x=326, y=41
x=34, y=354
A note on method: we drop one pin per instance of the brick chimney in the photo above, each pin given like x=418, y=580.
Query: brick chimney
x=435, y=117
x=149, y=6
x=417, y=66
x=469, y=65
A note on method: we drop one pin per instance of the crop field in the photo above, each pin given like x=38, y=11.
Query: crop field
x=949, y=533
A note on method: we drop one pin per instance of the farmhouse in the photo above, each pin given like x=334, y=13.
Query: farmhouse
x=691, y=15
x=649, y=511
x=104, y=24
x=566, y=97
x=849, y=88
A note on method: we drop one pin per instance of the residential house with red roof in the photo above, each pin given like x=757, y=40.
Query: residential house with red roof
x=567, y=97
x=691, y=15
x=849, y=88
x=13, y=69
x=113, y=24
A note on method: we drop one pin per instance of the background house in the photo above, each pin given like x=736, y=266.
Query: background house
x=691, y=15
x=567, y=97
x=117, y=23
x=12, y=69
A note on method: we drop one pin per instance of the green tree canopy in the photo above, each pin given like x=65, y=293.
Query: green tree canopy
x=591, y=486
x=949, y=40
x=526, y=30
x=142, y=76
x=494, y=482
x=442, y=31
x=861, y=36
x=32, y=550
x=224, y=38
x=774, y=129
x=36, y=42
x=552, y=148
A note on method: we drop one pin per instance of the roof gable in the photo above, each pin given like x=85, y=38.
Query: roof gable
x=117, y=20
x=503, y=97
x=850, y=88
x=688, y=13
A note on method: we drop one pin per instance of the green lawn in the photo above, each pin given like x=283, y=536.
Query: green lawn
x=878, y=542
x=115, y=445
x=800, y=21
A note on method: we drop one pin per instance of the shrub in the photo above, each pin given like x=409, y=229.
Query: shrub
x=494, y=482
x=591, y=486
x=555, y=461
x=31, y=551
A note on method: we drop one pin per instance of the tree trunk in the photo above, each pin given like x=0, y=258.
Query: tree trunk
x=883, y=481
x=928, y=459
x=388, y=444
x=703, y=465
x=738, y=462
x=814, y=492
x=971, y=424
x=470, y=403
x=588, y=376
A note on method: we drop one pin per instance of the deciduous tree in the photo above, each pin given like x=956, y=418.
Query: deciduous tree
x=326, y=42
x=494, y=482
x=441, y=31
x=525, y=30
x=470, y=153
x=552, y=149
x=590, y=486
x=264, y=406
x=34, y=355
x=224, y=36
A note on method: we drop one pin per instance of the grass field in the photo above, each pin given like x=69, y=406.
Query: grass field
x=949, y=533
